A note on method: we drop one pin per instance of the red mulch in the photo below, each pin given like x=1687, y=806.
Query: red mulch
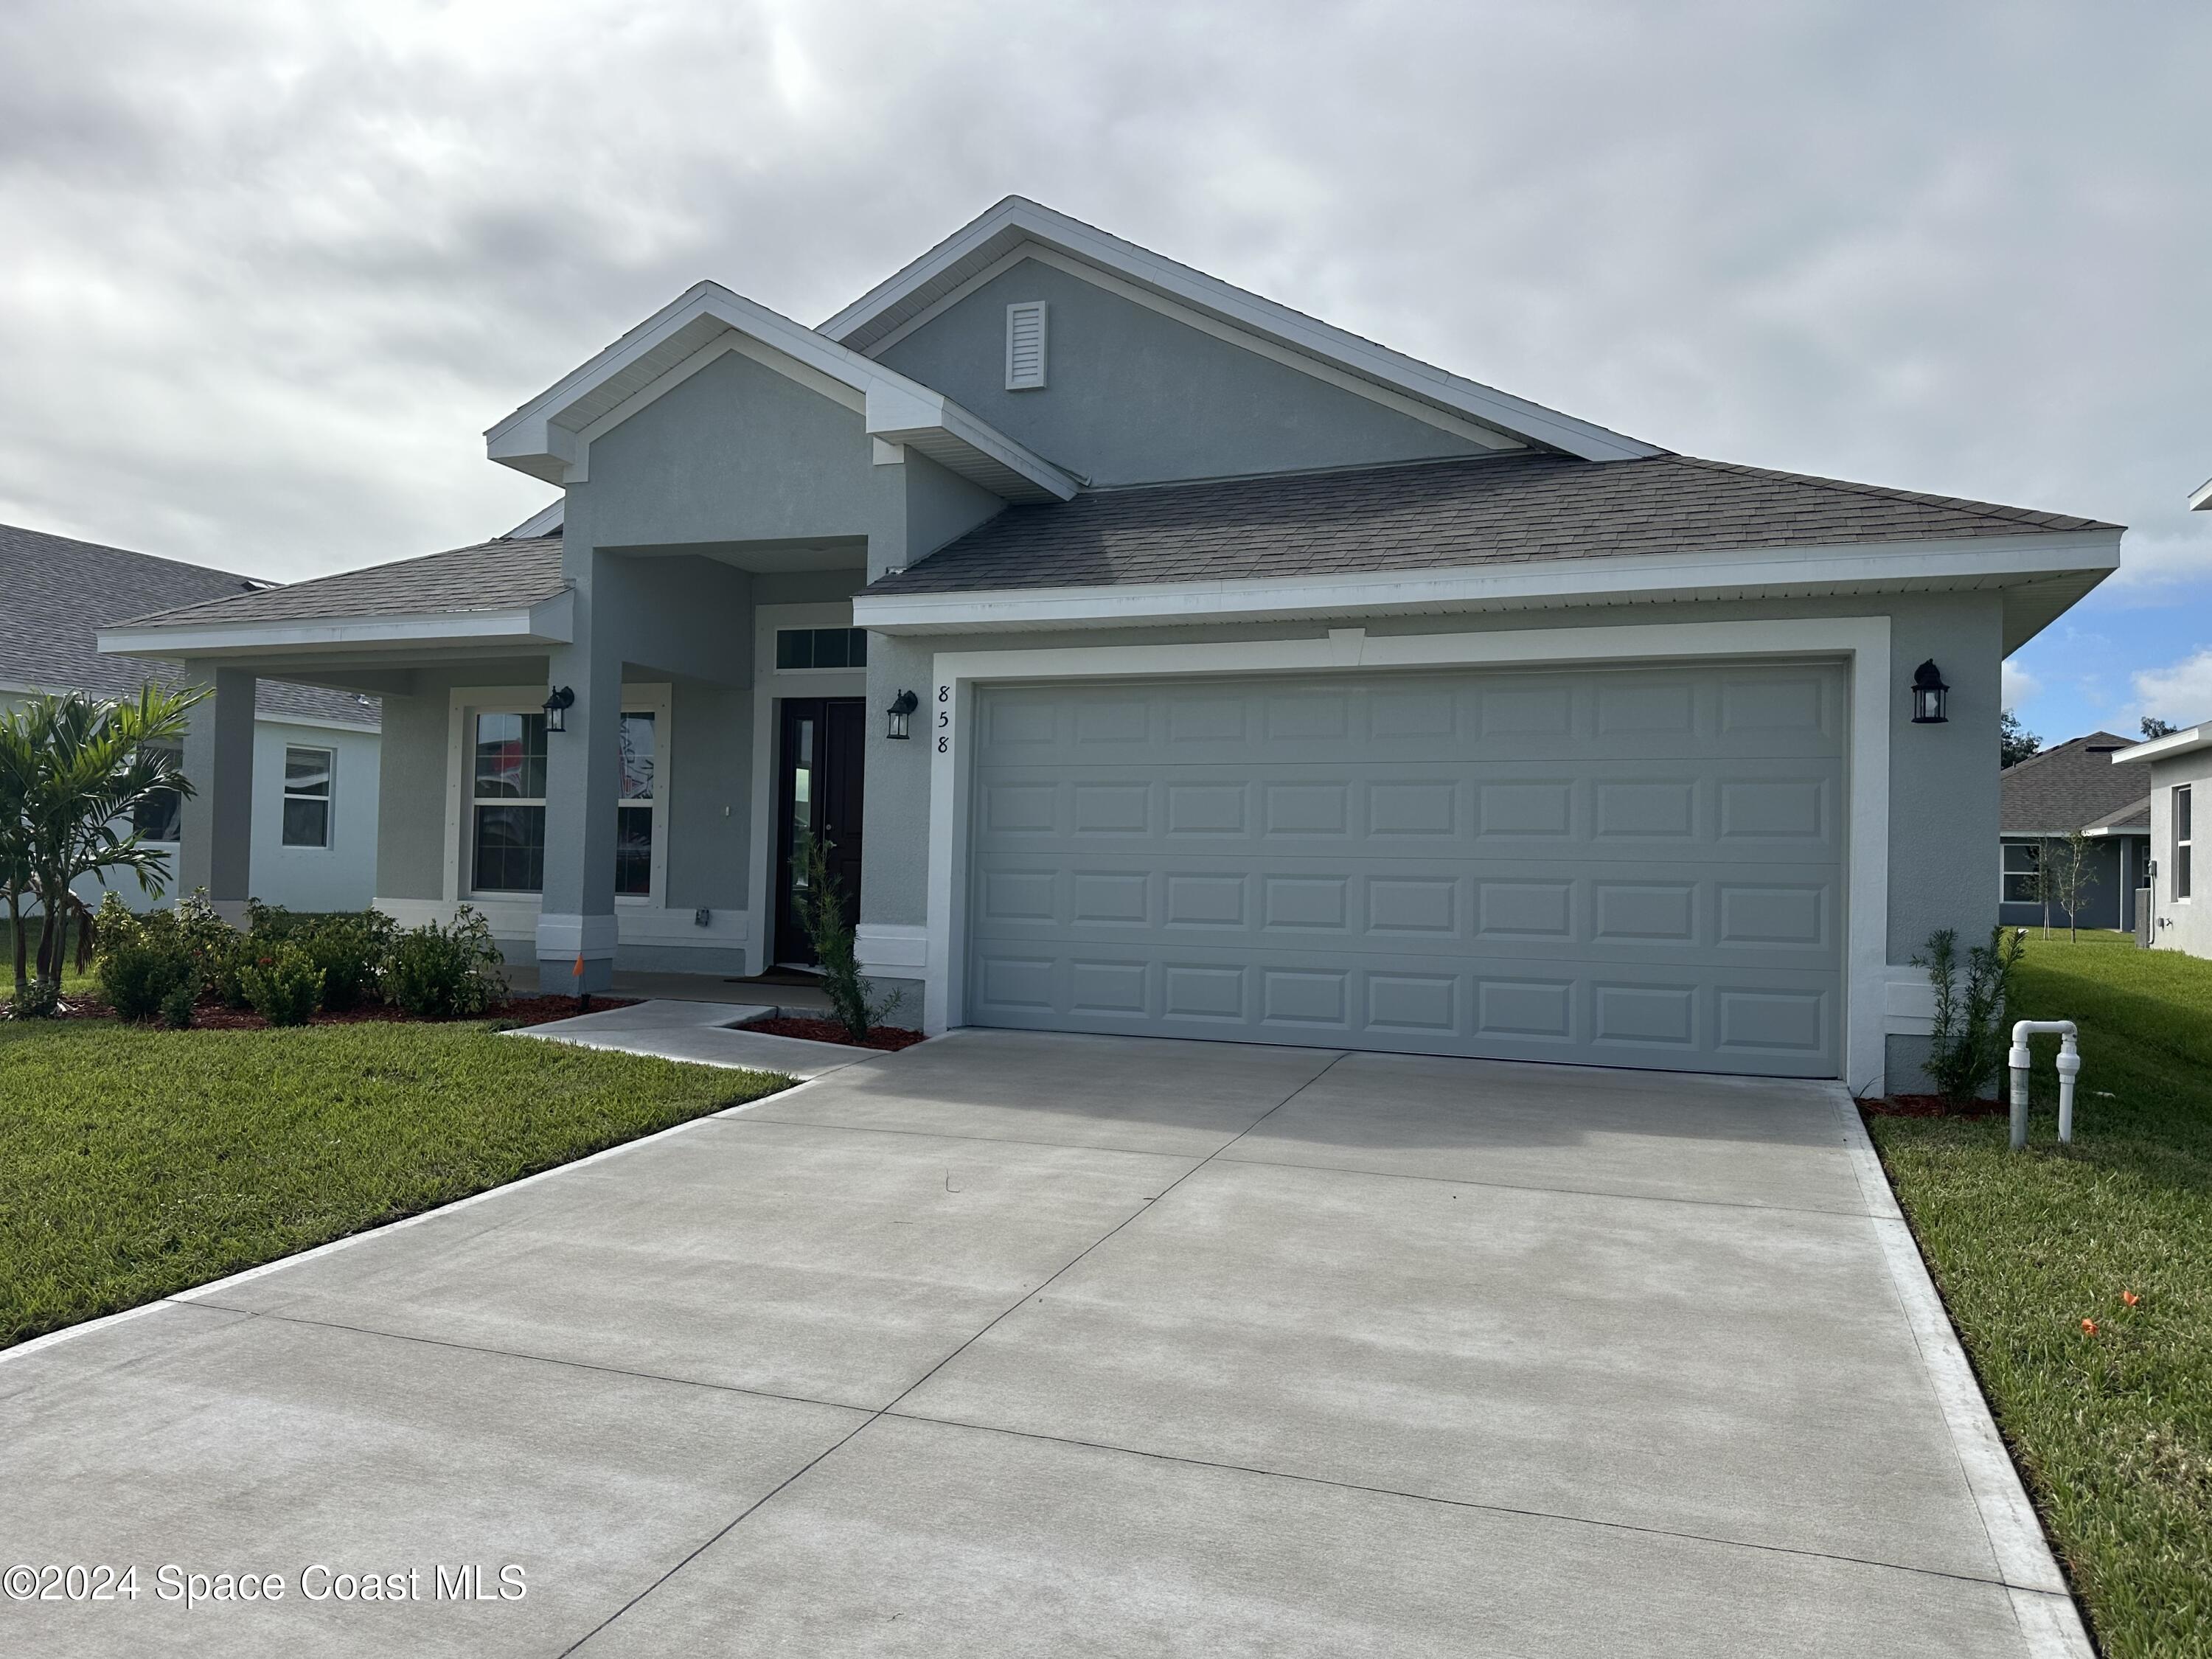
x=212, y=1016
x=889, y=1038
x=1930, y=1106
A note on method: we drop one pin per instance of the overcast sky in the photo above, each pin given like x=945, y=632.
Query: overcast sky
x=268, y=269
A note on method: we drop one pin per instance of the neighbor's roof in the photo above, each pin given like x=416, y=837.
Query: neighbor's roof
x=2073, y=786
x=2135, y=817
x=59, y=592
x=494, y=575
x=1428, y=515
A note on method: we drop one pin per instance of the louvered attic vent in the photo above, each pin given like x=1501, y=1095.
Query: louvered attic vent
x=1025, y=346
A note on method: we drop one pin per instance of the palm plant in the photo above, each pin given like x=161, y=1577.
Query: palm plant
x=74, y=772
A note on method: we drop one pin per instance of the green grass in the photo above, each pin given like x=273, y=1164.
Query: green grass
x=2113, y=1431
x=136, y=1163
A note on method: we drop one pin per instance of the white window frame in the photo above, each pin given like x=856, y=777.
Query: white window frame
x=465, y=703
x=2183, y=806
x=2005, y=873
x=329, y=797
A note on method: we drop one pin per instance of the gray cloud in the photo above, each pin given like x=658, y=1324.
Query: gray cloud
x=267, y=270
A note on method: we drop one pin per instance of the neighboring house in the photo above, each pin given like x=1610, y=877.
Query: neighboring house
x=1162, y=660
x=2178, y=769
x=2073, y=786
x=312, y=830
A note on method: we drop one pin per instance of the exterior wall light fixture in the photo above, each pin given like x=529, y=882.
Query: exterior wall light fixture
x=902, y=705
x=1929, y=693
x=557, y=704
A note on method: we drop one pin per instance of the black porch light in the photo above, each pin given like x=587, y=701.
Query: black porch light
x=1927, y=695
x=902, y=705
x=557, y=704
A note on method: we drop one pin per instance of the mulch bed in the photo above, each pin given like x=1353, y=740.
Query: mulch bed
x=1930, y=1106
x=212, y=1016
x=889, y=1038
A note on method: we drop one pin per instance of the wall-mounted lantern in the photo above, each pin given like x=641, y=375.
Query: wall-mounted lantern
x=557, y=706
x=902, y=705
x=1929, y=692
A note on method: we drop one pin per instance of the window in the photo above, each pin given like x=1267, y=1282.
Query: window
x=634, y=815
x=161, y=814
x=2181, y=840
x=2023, y=864
x=821, y=647
x=307, y=797
x=508, y=791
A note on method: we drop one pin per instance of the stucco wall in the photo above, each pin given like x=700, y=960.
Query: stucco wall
x=2106, y=901
x=2182, y=924
x=1133, y=395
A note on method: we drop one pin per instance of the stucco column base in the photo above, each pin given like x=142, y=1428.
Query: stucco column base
x=575, y=953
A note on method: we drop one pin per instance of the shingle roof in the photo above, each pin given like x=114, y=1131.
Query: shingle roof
x=56, y=592
x=2072, y=786
x=496, y=575
x=1437, y=515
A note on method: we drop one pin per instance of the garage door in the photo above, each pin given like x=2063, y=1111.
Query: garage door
x=1631, y=868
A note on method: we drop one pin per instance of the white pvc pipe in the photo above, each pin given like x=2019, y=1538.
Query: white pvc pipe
x=2069, y=1068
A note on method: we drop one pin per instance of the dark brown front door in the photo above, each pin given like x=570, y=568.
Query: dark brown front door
x=818, y=793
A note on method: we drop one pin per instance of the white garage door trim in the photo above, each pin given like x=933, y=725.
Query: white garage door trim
x=1862, y=641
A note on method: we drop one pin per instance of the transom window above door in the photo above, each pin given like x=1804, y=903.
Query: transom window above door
x=821, y=647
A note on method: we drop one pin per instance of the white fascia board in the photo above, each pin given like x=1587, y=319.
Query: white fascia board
x=547, y=438
x=1017, y=216
x=1862, y=568
x=549, y=621
x=2174, y=742
x=544, y=522
x=2200, y=500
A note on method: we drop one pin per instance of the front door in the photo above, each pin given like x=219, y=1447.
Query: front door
x=817, y=794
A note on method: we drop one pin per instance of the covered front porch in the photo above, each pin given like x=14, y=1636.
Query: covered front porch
x=615, y=772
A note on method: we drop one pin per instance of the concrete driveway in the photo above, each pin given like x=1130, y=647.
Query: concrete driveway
x=1019, y=1344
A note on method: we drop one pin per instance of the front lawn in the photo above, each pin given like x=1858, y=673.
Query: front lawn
x=2111, y=1426
x=136, y=1163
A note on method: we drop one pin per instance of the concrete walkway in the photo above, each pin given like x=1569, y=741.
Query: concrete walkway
x=1028, y=1345
x=704, y=1033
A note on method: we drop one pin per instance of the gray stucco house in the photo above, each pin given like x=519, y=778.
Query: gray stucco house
x=1163, y=660
x=2173, y=768
x=311, y=836
x=2043, y=799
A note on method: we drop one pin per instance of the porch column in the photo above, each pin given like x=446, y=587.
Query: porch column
x=582, y=785
x=216, y=834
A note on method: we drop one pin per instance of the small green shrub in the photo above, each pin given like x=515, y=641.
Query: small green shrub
x=142, y=961
x=1968, y=1046
x=821, y=914
x=177, y=1007
x=444, y=973
x=219, y=951
x=349, y=946
x=281, y=983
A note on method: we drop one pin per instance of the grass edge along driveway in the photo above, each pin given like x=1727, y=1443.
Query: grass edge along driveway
x=134, y=1164
x=2106, y=1402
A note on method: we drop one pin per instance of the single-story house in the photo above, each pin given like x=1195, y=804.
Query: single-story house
x=310, y=837
x=1162, y=660
x=2044, y=798
x=2175, y=767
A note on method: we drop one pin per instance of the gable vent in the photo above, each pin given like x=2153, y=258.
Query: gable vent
x=1025, y=346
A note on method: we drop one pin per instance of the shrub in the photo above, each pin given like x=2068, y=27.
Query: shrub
x=349, y=946
x=281, y=983
x=143, y=961
x=821, y=914
x=444, y=973
x=1968, y=1045
x=218, y=949
x=177, y=1007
